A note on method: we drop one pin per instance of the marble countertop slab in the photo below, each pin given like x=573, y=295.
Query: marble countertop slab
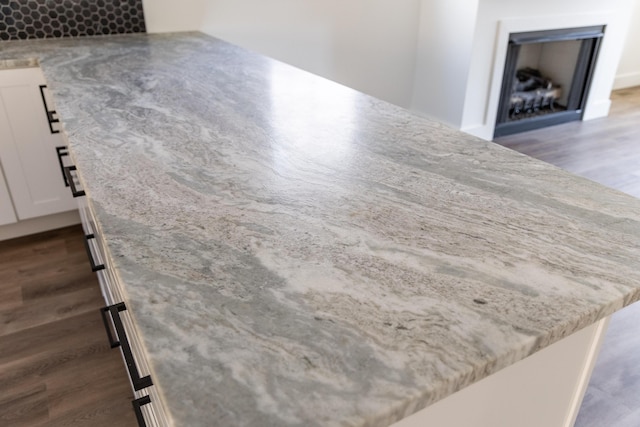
x=296, y=253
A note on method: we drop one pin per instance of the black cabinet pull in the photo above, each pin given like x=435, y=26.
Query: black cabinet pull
x=112, y=342
x=114, y=310
x=62, y=151
x=48, y=112
x=137, y=408
x=94, y=267
x=67, y=172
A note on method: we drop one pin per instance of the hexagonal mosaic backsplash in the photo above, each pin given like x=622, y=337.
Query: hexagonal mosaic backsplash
x=37, y=19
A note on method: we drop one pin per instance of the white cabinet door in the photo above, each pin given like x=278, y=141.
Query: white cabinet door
x=7, y=215
x=28, y=148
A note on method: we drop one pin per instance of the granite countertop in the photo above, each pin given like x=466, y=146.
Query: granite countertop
x=296, y=253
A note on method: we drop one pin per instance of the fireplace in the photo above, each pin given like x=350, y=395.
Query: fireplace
x=546, y=78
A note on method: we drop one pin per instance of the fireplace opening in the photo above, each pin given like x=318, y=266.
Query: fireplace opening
x=546, y=78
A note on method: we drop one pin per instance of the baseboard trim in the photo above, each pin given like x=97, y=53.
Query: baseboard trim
x=597, y=109
x=623, y=81
x=38, y=225
x=481, y=131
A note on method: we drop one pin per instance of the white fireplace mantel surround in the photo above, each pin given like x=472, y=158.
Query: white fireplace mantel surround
x=461, y=55
x=598, y=101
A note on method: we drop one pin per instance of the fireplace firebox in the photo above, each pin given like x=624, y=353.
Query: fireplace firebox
x=546, y=78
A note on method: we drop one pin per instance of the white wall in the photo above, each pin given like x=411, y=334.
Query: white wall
x=443, y=55
x=365, y=44
x=628, y=73
x=165, y=16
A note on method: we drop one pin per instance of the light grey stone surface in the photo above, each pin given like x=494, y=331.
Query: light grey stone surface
x=296, y=253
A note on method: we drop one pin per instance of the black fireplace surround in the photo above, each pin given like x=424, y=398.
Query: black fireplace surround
x=531, y=98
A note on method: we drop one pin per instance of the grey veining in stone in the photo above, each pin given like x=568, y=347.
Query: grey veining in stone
x=296, y=253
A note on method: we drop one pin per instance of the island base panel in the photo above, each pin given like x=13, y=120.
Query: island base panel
x=545, y=389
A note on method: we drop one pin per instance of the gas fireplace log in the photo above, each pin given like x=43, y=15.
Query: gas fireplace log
x=533, y=100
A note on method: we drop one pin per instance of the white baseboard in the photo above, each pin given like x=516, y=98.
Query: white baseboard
x=626, y=80
x=481, y=131
x=38, y=225
x=597, y=109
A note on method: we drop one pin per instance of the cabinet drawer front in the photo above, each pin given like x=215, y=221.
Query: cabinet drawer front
x=117, y=313
x=28, y=149
x=148, y=409
x=7, y=214
x=152, y=413
x=107, y=277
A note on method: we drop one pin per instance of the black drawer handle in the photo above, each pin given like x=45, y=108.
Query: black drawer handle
x=94, y=266
x=48, y=112
x=112, y=342
x=67, y=172
x=138, y=382
x=137, y=408
x=62, y=151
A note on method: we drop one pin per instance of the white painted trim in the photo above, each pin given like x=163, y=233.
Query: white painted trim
x=544, y=389
x=7, y=212
x=626, y=80
x=38, y=225
x=480, y=131
x=588, y=365
x=598, y=109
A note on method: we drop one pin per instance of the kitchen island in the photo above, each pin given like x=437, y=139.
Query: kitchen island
x=295, y=253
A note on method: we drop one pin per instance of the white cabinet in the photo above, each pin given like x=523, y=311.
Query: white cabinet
x=7, y=215
x=30, y=154
x=147, y=404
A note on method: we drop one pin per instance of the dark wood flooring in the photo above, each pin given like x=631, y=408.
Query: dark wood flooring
x=605, y=150
x=56, y=368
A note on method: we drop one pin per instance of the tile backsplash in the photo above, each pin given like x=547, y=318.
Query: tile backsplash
x=37, y=19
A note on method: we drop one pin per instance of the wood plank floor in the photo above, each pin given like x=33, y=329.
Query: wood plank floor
x=605, y=150
x=56, y=368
